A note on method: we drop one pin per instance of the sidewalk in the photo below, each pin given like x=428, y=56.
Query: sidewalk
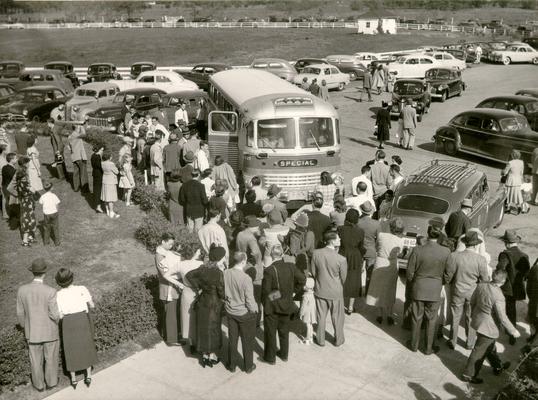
x=373, y=364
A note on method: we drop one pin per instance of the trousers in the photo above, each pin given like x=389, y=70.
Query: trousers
x=243, y=326
x=336, y=308
x=511, y=310
x=420, y=310
x=171, y=321
x=483, y=348
x=273, y=323
x=47, y=352
x=460, y=304
x=51, y=225
x=534, y=187
x=80, y=176
x=188, y=315
x=408, y=138
x=194, y=224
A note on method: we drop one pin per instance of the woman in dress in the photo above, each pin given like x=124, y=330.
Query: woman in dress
x=34, y=167
x=175, y=210
x=208, y=282
x=327, y=188
x=109, y=191
x=97, y=176
x=352, y=248
x=223, y=170
x=127, y=182
x=378, y=79
x=383, y=124
x=74, y=304
x=25, y=196
x=513, y=173
x=382, y=288
x=338, y=215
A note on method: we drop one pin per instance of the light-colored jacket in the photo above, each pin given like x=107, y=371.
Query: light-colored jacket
x=156, y=157
x=514, y=172
x=77, y=145
x=329, y=270
x=409, y=117
x=110, y=173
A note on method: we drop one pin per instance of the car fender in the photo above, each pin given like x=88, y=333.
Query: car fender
x=445, y=133
x=496, y=203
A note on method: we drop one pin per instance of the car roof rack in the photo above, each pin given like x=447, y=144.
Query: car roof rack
x=446, y=173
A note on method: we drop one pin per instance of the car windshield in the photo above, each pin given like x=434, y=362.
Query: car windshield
x=408, y=88
x=59, y=67
x=30, y=97
x=401, y=60
x=9, y=67
x=86, y=93
x=311, y=70
x=316, y=132
x=514, y=124
x=278, y=133
x=140, y=68
x=421, y=203
x=99, y=69
x=438, y=74
x=532, y=107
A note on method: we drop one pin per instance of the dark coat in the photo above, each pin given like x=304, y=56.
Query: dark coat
x=425, y=270
x=318, y=223
x=532, y=292
x=193, y=198
x=97, y=169
x=458, y=224
x=383, y=124
x=171, y=156
x=208, y=280
x=289, y=279
x=251, y=209
x=517, y=266
x=352, y=248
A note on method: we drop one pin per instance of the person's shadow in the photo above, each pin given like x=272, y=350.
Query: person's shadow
x=421, y=393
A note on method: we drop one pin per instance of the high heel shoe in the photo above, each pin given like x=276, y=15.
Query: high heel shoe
x=88, y=381
x=206, y=362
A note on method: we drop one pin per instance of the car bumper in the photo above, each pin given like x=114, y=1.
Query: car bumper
x=13, y=117
x=102, y=123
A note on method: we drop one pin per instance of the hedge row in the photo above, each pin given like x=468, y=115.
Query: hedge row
x=523, y=381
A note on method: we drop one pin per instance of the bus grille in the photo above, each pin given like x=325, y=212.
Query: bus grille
x=228, y=151
x=298, y=181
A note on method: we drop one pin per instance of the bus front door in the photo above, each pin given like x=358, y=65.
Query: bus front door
x=223, y=138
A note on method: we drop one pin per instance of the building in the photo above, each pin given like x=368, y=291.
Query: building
x=376, y=21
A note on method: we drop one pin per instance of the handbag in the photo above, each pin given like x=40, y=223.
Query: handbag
x=275, y=294
x=12, y=187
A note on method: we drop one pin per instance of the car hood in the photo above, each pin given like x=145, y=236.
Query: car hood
x=16, y=107
x=79, y=101
x=107, y=110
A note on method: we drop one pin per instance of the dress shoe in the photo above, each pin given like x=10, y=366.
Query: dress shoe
x=251, y=369
x=475, y=379
x=267, y=361
x=505, y=366
x=231, y=368
x=410, y=346
x=51, y=387
x=390, y=321
x=318, y=343
x=435, y=349
x=379, y=320
x=40, y=390
x=88, y=381
x=450, y=345
x=279, y=354
x=512, y=340
x=214, y=361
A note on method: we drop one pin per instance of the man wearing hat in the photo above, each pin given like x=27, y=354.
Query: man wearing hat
x=193, y=198
x=458, y=222
x=79, y=158
x=464, y=271
x=272, y=194
x=37, y=312
x=409, y=124
x=317, y=221
x=156, y=161
x=516, y=264
x=371, y=228
x=192, y=145
x=425, y=269
x=171, y=156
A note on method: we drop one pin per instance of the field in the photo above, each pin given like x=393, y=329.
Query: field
x=188, y=46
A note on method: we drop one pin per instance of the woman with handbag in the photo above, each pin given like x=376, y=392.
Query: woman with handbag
x=383, y=124
x=513, y=173
x=25, y=196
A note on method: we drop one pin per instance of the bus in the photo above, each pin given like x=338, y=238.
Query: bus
x=267, y=127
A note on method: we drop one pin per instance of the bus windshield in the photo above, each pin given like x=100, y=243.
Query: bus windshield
x=316, y=132
x=276, y=133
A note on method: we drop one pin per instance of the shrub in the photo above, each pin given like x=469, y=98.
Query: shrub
x=14, y=362
x=110, y=141
x=523, y=381
x=147, y=196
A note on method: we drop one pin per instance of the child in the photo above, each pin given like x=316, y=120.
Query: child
x=526, y=193
x=127, y=182
x=386, y=206
x=308, y=310
x=50, y=202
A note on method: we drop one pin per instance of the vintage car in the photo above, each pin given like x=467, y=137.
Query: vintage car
x=40, y=77
x=194, y=100
x=515, y=53
x=281, y=68
x=33, y=103
x=6, y=92
x=528, y=92
x=11, y=69
x=462, y=55
x=412, y=66
x=200, y=73
x=489, y=133
x=301, y=63
x=347, y=64
x=532, y=41
x=446, y=60
x=524, y=105
x=168, y=81
x=444, y=83
x=324, y=72
x=414, y=89
x=366, y=58
x=110, y=117
x=436, y=189
x=88, y=98
x=66, y=68
x=142, y=66
x=101, y=72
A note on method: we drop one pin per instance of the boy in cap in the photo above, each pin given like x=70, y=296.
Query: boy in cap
x=49, y=201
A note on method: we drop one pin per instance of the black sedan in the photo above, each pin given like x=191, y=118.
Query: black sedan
x=413, y=89
x=102, y=72
x=139, y=67
x=524, y=105
x=444, y=83
x=33, y=103
x=200, y=73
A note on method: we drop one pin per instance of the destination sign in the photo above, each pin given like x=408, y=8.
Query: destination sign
x=297, y=163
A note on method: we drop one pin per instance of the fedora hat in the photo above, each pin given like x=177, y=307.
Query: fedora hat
x=302, y=220
x=511, y=236
x=39, y=266
x=471, y=239
x=366, y=208
x=273, y=190
x=189, y=156
x=437, y=222
x=467, y=203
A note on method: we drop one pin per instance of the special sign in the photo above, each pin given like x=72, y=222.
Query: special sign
x=297, y=163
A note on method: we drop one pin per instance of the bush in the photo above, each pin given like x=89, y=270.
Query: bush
x=147, y=196
x=523, y=381
x=109, y=141
x=14, y=361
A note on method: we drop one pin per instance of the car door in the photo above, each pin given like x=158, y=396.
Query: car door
x=471, y=134
x=148, y=80
x=337, y=76
x=325, y=74
x=163, y=82
x=479, y=214
x=425, y=64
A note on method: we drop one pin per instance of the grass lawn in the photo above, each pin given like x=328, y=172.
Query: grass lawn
x=101, y=251
x=188, y=46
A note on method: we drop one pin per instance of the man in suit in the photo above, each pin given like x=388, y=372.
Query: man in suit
x=458, y=222
x=329, y=270
x=171, y=155
x=425, y=270
x=516, y=264
x=283, y=277
x=272, y=192
x=487, y=300
x=409, y=115
x=37, y=312
x=371, y=228
x=380, y=174
x=367, y=85
x=79, y=158
x=464, y=271
x=193, y=198
x=156, y=160
x=317, y=221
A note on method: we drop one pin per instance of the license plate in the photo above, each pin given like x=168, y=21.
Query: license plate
x=410, y=242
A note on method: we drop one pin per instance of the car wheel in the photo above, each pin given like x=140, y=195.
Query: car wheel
x=450, y=147
x=444, y=96
x=35, y=118
x=535, y=60
x=507, y=61
x=501, y=218
x=353, y=76
x=341, y=86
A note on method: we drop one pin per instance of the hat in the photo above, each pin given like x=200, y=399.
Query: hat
x=173, y=137
x=302, y=220
x=251, y=221
x=128, y=139
x=186, y=131
x=47, y=185
x=437, y=222
x=267, y=208
x=189, y=156
x=39, y=266
x=510, y=236
x=366, y=208
x=467, y=203
x=216, y=253
x=471, y=239
x=273, y=190
x=64, y=277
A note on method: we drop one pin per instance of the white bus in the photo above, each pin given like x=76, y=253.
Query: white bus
x=269, y=128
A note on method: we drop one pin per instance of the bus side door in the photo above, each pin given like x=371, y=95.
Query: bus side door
x=223, y=136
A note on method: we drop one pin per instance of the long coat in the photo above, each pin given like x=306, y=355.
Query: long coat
x=383, y=124
x=516, y=264
x=532, y=292
x=352, y=248
x=208, y=281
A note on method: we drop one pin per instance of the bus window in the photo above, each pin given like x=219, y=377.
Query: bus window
x=316, y=132
x=250, y=134
x=223, y=122
x=276, y=133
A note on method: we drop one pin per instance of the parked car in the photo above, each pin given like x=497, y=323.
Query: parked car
x=200, y=73
x=192, y=99
x=447, y=60
x=140, y=67
x=444, y=83
x=11, y=69
x=6, y=92
x=461, y=55
x=516, y=53
x=348, y=64
x=528, y=92
x=66, y=68
x=414, y=89
x=487, y=132
x=436, y=189
x=412, y=66
x=169, y=81
x=33, y=103
x=102, y=72
x=40, y=77
x=110, y=117
x=301, y=63
x=366, y=58
x=524, y=105
x=276, y=66
x=88, y=98
x=531, y=41
x=327, y=72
